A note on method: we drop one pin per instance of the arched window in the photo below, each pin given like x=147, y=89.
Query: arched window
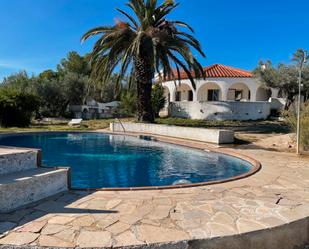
x=238, y=92
x=184, y=92
x=209, y=92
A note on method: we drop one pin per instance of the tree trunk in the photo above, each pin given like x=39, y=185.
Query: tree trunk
x=143, y=76
x=289, y=101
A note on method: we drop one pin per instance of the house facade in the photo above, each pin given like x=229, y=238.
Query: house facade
x=226, y=93
x=92, y=109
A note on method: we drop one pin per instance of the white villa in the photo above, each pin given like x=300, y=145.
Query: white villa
x=92, y=109
x=227, y=93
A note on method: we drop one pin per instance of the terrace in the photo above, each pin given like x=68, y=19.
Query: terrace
x=268, y=209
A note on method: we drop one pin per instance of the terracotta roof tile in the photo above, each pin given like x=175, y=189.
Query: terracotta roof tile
x=220, y=71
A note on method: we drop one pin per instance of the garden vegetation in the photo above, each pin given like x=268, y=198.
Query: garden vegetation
x=291, y=119
x=17, y=108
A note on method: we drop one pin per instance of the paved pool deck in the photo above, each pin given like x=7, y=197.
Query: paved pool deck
x=269, y=209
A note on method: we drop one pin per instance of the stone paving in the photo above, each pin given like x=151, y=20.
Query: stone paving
x=276, y=195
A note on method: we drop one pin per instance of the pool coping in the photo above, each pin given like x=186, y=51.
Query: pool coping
x=256, y=165
x=241, y=240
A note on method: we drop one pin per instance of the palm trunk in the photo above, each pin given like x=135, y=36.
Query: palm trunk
x=143, y=76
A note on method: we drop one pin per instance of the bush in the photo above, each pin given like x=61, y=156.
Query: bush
x=128, y=103
x=157, y=99
x=197, y=122
x=17, y=108
x=291, y=119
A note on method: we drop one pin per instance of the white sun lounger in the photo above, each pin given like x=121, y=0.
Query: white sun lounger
x=76, y=121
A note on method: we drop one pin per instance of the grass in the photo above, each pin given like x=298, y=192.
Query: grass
x=244, y=130
x=197, y=123
x=104, y=123
x=87, y=125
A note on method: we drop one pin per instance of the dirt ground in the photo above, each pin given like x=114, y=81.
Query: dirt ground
x=268, y=135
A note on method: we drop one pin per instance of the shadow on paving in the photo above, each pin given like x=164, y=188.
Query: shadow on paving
x=57, y=204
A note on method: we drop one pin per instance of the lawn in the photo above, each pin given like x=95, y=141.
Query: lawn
x=87, y=125
x=257, y=127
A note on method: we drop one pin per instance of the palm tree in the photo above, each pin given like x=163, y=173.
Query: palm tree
x=143, y=46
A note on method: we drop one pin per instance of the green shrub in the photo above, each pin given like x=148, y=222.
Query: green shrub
x=157, y=99
x=197, y=123
x=17, y=108
x=128, y=103
x=291, y=119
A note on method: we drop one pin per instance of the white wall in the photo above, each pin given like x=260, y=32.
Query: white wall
x=220, y=110
x=277, y=104
x=202, y=94
x=224, y=84
x=200, y=134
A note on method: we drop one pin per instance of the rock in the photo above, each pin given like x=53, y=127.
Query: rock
x=19, y=239
x=84, y=221
x=94, y=239
x=61, y=220
x=246, y=225
x=160, y=212
x=152, y=234
x=33, y=227
x=218, y=229
x=223, y=218
x=118, y=228
x=112, y=203
x=106, y=223
x=51, y=241
x=53, y=228
x=127, y=239
x=66, y=235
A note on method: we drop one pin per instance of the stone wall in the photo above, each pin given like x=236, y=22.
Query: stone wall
x=15, y=160
x=220, y=110
x=28, y=186
x=23, y=180
x=199, y=134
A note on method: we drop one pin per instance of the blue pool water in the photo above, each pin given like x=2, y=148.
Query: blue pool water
x=102, y=160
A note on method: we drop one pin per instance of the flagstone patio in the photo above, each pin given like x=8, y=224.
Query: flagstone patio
x=269, y=209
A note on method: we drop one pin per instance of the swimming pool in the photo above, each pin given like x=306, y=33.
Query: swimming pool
x=100, y=160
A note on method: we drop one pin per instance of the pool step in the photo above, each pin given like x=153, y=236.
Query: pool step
x=16, y=160
x=21, y=188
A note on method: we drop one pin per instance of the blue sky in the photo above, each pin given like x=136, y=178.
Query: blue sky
x=36, y=34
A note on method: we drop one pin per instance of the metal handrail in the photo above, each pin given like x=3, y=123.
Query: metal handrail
x=117, y=118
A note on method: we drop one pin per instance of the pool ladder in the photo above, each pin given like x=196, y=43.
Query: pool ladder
x=124, y=130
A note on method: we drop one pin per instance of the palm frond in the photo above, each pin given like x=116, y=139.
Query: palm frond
x=129, y=17
x=163, y=11
x=145, y=44
x=183, y=24
x=138, y=8
x=96, y=31
x=183, y=66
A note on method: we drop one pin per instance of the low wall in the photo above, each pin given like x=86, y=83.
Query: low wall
x=199, y=134
x=220, y=110
x=25, y=187
x=277, y=104
x=23, y=180
x=15, y=160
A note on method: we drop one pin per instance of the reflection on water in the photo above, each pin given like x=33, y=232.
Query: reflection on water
x=100, y=160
